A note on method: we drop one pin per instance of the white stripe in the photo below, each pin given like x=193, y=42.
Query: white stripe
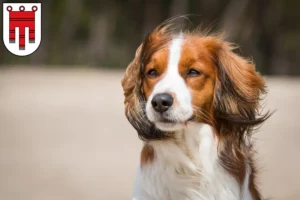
x=174, y=55
x=172, y=82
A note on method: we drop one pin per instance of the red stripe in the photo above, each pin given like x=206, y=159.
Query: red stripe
x=22, y=20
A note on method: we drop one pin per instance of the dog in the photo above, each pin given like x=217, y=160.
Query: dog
x=194, y=103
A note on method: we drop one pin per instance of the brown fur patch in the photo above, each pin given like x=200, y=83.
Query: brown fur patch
x=196, y=56
x=147, y=155
x=234, y=162
x=159, y=63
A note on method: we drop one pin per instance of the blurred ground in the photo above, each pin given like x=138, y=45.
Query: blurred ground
x=63, y=136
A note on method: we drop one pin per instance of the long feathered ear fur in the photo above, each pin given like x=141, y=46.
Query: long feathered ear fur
x=238, y=91
x=135, y=101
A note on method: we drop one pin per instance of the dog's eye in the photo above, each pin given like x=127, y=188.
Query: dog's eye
x=152, y=73
x=193, y=72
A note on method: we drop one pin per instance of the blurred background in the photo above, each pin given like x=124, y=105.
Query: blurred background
x=105, y=33
x=63, y=132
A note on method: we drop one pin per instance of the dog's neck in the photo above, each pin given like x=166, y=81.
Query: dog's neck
x=186, y=167
x=193, y=142
x=194, y=148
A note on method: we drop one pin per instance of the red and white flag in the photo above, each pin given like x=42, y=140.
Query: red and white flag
x=22, y=27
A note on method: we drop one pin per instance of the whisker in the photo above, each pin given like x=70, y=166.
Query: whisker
x=203, y=113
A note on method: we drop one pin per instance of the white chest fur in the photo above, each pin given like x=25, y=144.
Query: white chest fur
x=187, y=168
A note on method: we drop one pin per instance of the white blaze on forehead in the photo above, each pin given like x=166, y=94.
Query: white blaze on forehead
x=172, y=76
x=175, y=54
x=172, y=82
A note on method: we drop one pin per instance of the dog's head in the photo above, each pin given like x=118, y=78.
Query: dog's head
x=178, y=78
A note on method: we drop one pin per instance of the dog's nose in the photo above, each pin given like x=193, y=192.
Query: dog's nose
x=162, y=102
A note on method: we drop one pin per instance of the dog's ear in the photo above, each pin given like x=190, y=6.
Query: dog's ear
x=132, y=78
x=131, y=86
x=239, y=85
x=238, y=91
x=135, y=101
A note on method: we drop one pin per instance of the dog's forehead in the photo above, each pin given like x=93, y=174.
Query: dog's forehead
x=189, y=50
x=161, y=49
x=160, y=54
x=190, y=46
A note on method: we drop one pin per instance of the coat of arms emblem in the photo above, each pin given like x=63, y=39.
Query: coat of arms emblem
x=22, y=27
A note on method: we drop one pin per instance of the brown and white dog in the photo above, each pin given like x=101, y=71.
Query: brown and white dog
x=194, y=103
